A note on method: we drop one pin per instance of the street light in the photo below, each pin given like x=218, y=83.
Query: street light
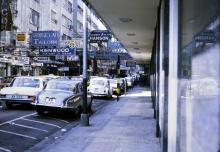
x=85, y=115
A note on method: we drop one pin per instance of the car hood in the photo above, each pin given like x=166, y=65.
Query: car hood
x=20, y=90
x=55, y=96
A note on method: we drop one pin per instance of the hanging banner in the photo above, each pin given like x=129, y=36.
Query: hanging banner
x=5, y=16
x=206, y=37
x=21, y=40
x=108, y=55
x=45, y=39
x=115, y=45
x=130, y=64
x=98, y=36
x=57, y=51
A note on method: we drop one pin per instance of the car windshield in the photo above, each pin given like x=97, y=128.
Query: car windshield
x=26, y=82
x=97, y=82
x=61, y=85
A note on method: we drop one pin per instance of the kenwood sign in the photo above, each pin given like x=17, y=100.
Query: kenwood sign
x=57, y=51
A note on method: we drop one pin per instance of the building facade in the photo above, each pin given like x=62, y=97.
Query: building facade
x=65, y=16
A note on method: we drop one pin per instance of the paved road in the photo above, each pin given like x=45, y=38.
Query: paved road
x=21, y=127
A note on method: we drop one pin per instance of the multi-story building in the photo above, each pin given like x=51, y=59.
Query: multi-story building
x=36, y=15
x=65, y=16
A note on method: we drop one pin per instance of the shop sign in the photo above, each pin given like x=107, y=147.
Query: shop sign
x=74, y=43
x=97, y=36
x=5, y=58
x=45, y=39
x=34, y=64
x=20, y=36
x=57, y=51
x=60, y=57
x=63, y=69
x=18, y=60
x=130, y=64
x=115, y=45
x=91, y=54
x=21, y=39
x=41, y=59
x=73, y=58
x=108, y=55
x=27, y=68
x=206, y=37
x=5, y=15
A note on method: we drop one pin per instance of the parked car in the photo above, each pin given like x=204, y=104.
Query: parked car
x=100, y=87
x=129, y=82
x=77, y=78
x=5, y=81
x=22, y=90
x=62, y=95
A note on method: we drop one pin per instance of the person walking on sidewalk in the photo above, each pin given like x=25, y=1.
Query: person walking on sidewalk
x=118, y=90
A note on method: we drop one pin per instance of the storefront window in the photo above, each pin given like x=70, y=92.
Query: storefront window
x=200, y=76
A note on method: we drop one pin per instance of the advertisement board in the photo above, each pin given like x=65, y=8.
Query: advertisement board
x=130, y=64
x=57, y=51
x=97, y=36
x=19, y=60
x=108, y=55
x=115, y=45
x=45, y=39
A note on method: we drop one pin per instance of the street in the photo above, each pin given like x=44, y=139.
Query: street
x=21, y=127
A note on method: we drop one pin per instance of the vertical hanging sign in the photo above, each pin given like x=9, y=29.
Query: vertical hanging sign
x=5, y=16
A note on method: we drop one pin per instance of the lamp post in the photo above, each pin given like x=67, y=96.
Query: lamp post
x=85, y=115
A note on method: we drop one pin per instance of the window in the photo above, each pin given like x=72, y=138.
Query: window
x=38, y=1
x=53, y=17
x=80, y=10
x=64, y=37
x=35, y=18
x=69, y=7
x=67, y=22
x=79, y=25
x=26, y=82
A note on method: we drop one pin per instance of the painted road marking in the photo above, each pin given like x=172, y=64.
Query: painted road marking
x=49, y=124
x=4, y=149
x=29, y=127
x=17, y=134
x=56, y=119
x=17, y=119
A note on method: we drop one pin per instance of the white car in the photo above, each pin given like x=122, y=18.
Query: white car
x=22, y=90
x=130, y=81
x=100, y=87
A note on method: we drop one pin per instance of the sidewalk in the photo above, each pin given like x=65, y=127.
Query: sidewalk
x=123, y=126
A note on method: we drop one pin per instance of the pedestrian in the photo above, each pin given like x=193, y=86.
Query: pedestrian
x=118, y=91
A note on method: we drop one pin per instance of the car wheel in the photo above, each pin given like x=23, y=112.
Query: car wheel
x=40, y=111
x=9, y=105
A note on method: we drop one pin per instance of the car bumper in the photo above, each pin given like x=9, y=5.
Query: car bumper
x=17, y=100
x=55, y=108
x=99, y=95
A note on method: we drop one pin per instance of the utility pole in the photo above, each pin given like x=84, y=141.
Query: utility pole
x=84, y=115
